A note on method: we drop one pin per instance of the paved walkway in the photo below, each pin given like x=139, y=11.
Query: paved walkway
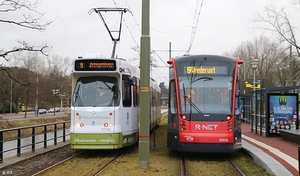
x=279, y=157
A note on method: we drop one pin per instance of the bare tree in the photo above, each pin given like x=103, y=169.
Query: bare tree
x=63, y=65
x=153, y=61
x=278, y=23
x=31, y=18
x=58, y=78
x=296, y=2
x=273, y=60
x=4, y=91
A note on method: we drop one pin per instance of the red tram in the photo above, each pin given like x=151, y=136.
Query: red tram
x=203, y=98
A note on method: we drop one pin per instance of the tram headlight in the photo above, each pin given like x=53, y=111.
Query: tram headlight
x=108, y=125
x=228, y=117
x=79, y=125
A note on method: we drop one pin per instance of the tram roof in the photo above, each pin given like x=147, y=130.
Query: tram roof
x=205, y=57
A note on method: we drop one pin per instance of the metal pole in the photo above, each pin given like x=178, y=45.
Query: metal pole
x=244, y=78
x=170, y=50
x=254, y=80
x=37, y=96
x=10, y=106
x=298, y=160
x=114, y=49
x=290, y=67
x=253, y=116
x=144, y=137
x=254, y=101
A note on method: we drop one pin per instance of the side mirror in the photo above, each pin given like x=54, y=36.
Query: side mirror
x=115, y=91
x=130, y=81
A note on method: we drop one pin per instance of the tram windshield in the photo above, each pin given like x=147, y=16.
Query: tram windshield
x=96, y=91
x=206, y=94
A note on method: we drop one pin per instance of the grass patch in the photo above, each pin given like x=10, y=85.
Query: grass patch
x=16, y=123
x=162, y=161
x=165, y=162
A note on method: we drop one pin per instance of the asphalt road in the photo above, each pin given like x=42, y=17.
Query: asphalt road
x=21, y=115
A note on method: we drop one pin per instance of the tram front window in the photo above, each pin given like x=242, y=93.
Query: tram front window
x=208, y=96
x=98, y=91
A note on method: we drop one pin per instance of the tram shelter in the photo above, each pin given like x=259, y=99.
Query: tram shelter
x=273, y=109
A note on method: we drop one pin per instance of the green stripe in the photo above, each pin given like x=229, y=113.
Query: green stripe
x=102, y=141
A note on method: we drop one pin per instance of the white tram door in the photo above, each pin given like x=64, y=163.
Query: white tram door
x=128, y=116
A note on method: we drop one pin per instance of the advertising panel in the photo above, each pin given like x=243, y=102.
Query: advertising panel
x=283, y=112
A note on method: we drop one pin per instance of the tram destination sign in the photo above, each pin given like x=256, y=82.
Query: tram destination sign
x=209, y=70
x=95, y=65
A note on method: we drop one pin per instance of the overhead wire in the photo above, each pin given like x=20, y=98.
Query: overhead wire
x=137, y=24
x=130, y=31
x=161, y=75
x=157, y=72
x=175, y=12
x=171, y=30
x=195, y=24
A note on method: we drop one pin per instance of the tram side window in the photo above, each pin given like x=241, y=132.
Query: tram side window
x=172, y=97
x=152, y=97
x=136, y=94
x=237, y=88
x=126, y=92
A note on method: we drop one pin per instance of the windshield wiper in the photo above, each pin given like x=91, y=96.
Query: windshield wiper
x=77, y=96
x=205, y=79
x=107, y=86
x=193, y=104
x=189, y=101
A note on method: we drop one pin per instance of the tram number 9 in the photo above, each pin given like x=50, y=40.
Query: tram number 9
x=105, y=129
x=81, y=65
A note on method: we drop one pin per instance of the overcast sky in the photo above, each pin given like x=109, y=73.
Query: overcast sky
x=221, y=27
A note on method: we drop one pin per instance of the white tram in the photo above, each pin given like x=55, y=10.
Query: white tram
x=105, y=104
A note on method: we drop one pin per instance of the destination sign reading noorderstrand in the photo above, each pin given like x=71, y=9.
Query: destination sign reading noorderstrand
x=206, y=70
x=95, y=65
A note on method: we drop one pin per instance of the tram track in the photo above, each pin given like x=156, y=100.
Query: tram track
x=106, y=165
x=163, y=162
x=236, y=167
x=183, y=168
x=56, y=164
x=96, y=168
x=198, y=165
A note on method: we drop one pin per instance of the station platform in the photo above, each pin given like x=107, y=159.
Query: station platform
x=278, y=156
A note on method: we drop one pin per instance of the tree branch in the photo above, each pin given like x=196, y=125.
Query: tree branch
x=5, y=69
x=278, y=23
x=32, y=20
x=25, y=47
